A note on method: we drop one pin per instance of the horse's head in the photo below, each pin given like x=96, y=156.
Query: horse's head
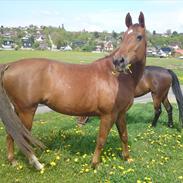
x=133, y=45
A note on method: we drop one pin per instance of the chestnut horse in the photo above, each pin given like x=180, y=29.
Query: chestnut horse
x=99, y=88
x=158, y=81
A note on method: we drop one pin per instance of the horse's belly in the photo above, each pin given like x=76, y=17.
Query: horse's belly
x=72, y=103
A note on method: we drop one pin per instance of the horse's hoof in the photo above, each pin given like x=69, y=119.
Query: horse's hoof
x=170, y=125
x=34, y=161
x=153, y=125
x=130, y=160
x=80, y=125
x=39, y=166
x=14, y=163
x=95, y=165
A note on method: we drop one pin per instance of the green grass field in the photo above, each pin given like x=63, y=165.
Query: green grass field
x=157, y=152
x=86, y=57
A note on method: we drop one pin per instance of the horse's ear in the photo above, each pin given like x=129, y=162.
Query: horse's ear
x=128, y=20
x=141, y=19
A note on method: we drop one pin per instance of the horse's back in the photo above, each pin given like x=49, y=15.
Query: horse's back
x=155, y=79
x=63, y=87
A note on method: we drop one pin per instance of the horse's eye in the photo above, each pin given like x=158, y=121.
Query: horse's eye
x=139, y=37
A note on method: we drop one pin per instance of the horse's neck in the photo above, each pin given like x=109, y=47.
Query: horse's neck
x=137, y=71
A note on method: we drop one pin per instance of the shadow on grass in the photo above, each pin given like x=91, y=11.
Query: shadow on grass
x=63, y=134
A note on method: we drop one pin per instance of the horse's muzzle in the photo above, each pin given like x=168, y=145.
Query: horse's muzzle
x=121, y=64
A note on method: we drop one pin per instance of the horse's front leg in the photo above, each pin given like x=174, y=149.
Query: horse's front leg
x=122, y=129
x=105, y=125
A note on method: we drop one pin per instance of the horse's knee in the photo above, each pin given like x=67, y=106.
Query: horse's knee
x=125, y=138
x=156, y=116
x=158, y=111
x=169, y=109
x=100, y=143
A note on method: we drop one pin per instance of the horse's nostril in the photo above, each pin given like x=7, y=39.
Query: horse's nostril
x=122, y=60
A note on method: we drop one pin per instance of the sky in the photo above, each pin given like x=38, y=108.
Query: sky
x=93, y=15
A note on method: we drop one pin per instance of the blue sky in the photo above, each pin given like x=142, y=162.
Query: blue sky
x=93, y=15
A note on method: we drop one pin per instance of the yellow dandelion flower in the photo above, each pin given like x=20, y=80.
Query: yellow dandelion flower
x=139, y=181
x=57, y=157
x=16, y=180
x=42, y=171
x=147, y=178
x=76, y=160
x=179, y=136
x=84, y=155
x=52, y=163
x=121, y=168
x=48, y=151
x=87, y=170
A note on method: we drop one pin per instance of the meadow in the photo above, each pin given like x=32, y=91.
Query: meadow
x=157, y=152
x=86, y=57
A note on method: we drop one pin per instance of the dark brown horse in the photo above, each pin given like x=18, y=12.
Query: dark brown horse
x=158, y=81
x=100, y=88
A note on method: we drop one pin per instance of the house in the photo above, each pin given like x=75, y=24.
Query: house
x=174, y=46
x=108, y=46
x=26, y=42
x=8, y=44
x=166, y=50
x=179, y=51
x=98, y=48
x=40, y=38
x=43, y=46
x=78, y=43
x=67, y=48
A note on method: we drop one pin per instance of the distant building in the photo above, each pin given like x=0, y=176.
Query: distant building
x=8, y=44
x=67, y=48
x=179, y=52
x=26, y=42
x=108, y=46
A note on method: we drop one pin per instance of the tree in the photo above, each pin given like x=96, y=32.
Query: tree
x=2, y=29
x=114, y=35
x=96, y=34
x=174, y=33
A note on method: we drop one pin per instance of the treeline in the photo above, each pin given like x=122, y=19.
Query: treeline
x=83, y=40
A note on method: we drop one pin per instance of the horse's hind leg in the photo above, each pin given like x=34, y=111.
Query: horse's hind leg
x=169, y=110
x=157, y=107
x=26, y=116
x=10, y=150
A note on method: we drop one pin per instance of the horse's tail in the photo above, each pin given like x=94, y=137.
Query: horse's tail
x=12, y=123
x=178, y=94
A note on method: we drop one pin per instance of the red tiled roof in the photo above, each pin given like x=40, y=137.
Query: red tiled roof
x=179, y=51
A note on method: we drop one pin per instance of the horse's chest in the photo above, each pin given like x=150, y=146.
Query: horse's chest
x=119, y=98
